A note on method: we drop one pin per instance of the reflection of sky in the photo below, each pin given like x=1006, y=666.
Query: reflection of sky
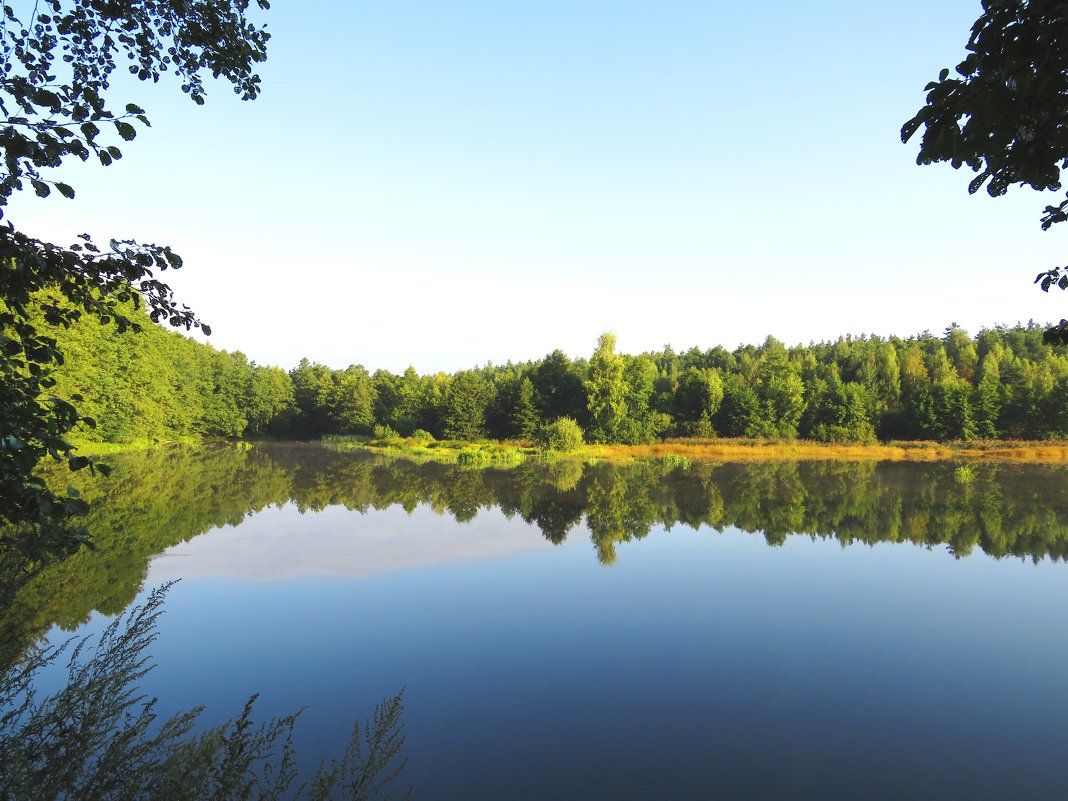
x=700, y=665
x=278, y=544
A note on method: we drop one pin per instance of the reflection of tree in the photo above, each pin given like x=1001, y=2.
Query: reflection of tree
x=619, y=506
x=154, y=499
x=157, y=499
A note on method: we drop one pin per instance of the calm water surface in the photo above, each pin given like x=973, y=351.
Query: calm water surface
x=577, y=632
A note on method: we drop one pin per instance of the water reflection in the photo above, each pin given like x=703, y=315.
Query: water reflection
x=158, y=499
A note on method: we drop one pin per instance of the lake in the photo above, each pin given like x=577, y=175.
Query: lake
x=564, y=630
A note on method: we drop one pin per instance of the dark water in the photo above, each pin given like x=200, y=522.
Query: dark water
x=583, y=631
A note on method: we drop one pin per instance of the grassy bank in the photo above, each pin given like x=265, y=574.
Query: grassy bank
x=447, y=451
x=90, y=448
x=719, y=450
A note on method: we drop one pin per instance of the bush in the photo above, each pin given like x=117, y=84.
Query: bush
x=422, y=435
x=472, y=457
x=385, y=432
x=563, y=435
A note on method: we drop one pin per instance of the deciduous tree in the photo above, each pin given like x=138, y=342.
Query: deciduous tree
x=56, y=104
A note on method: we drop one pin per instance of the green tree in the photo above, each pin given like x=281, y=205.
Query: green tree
x=231, y=381
x=270, y=397
x=954, y=417
x=311, y=383
x=56, y=104
x=696, y=401
x=606, y=390
x=468, y=397
x=780, y=391
x=839, y=412
x=739, y=413
x=961, y=350
x=524, y=416
x=642, y=422
x=913, y=370
x=349, y=399
x=987, y=402
x=559, y=388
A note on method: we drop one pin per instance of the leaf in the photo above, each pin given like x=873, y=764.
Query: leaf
x=40, y=188
x=126, y=131
x=65, y=190
x=206, y=329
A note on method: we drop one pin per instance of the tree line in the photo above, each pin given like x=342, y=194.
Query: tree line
x=1004, y=382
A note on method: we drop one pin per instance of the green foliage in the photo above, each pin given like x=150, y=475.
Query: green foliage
x=159, y=386
x=739, y=413
x=466, y=402
x=419, y=435
x=673, y=461
x=98, y=737
x=525, y=413
x=606, y=391
x=562, y=435
x=54, y=90
x=1003, y=113
x=384, y=432
x=349, y=399
x=559, y=389
x=838, y=412
x=696, y=401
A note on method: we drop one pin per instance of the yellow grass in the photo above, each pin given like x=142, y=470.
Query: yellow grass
x=738, y=450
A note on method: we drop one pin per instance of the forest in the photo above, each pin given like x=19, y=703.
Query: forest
x=1002, y=383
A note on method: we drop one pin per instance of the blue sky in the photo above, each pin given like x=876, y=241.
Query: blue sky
x=444, y=186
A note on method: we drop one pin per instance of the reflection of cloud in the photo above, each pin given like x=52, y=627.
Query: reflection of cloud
x=278, y=544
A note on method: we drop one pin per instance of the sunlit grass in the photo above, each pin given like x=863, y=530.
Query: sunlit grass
x=681, y=452
x=88, y=447
x=483, y=453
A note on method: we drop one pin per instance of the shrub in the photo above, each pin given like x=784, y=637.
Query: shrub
x=385, y=432
x=422, y=435
x=472, y=456
x=563, y=434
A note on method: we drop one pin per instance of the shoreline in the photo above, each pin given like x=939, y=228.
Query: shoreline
x=711, y=450
x=724, y=450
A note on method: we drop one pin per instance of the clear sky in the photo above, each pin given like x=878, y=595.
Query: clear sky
x=449, y=184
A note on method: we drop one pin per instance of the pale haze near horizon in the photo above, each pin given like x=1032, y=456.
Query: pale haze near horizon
x=445, y=187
